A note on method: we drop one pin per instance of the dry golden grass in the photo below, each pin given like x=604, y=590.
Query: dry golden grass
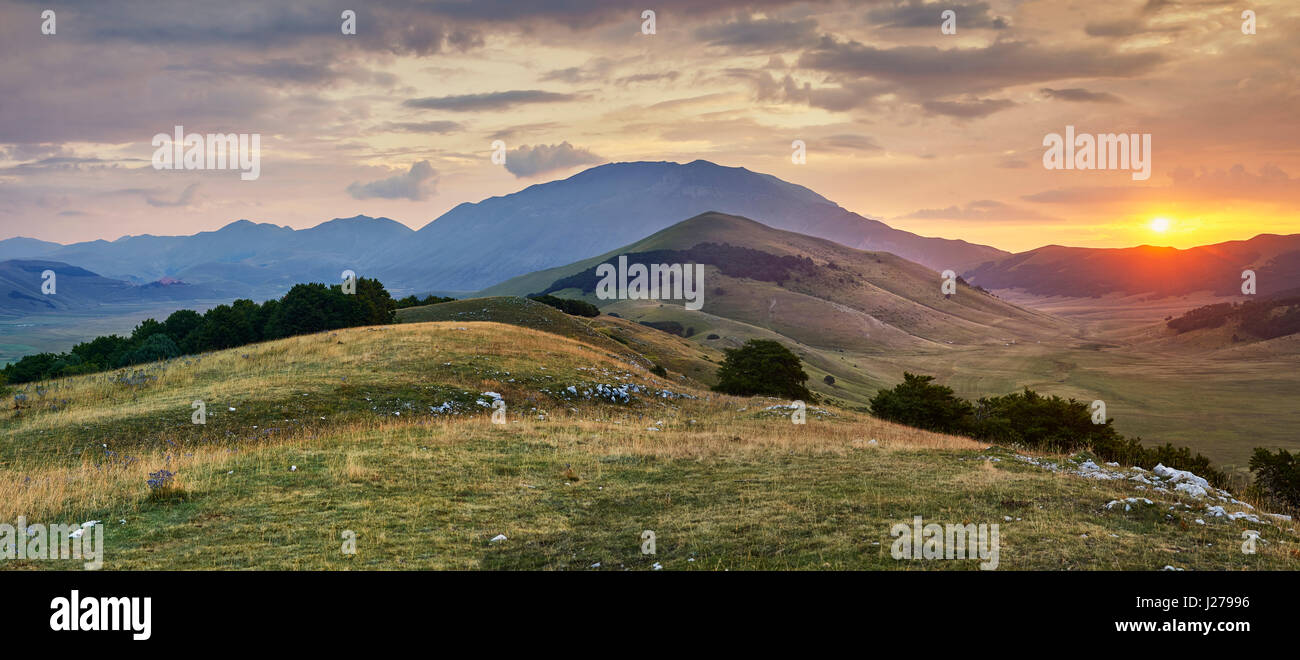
x=723, y=477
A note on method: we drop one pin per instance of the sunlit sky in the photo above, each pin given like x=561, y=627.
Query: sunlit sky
x=936, y=134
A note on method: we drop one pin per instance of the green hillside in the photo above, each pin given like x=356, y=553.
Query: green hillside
x=386, y=433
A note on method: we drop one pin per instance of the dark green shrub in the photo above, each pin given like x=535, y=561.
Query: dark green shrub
x=762, y=366
x=568, y=305
x=916, y=402
x=1277, y=476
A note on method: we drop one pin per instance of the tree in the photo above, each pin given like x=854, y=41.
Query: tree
x=377, y=306
x=145, y=330
x=916, y=402
x=1049, y=422
x=762, y=366
x=156, y=347
x=102, y=352
x=181, y=323
x=314, y=307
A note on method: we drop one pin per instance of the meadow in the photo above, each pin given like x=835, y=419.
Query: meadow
x=387, y=432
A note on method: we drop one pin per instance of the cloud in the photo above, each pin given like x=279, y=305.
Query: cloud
x=439, y=127
x=849, y=142
x=748, y=34
x=151, y=197
x=1080, y=95
x=416, y=185
x=919, y=14
x=489, y=101
x=934, y=71
x=983, y=209
x=967, y=109
x=1271, y=184
x=787, y=90
x=528, y=161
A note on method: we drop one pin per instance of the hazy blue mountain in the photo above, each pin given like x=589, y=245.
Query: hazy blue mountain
x=597, y=210
x=79, y=289
x=243, y=258
x=474, y=246
x=22, y=247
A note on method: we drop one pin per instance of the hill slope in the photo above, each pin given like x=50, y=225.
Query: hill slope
x=385, y=432
x=1086, y=272
x=845, y=315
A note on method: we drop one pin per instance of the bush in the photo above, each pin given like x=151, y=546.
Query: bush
x=829, y=379
x=762, y=366
x=1032, y=420
x=569, y=306
x=1028, y=419
x=916, y=402
x=1277, y=476
x=412, y=301
x=670, y=327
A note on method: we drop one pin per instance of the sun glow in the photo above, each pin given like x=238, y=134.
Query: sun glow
x=1159, y=225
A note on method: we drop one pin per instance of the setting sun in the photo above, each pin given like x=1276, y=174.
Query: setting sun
x=1159, y=225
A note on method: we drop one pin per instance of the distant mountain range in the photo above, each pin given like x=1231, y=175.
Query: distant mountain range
x=242, y=259
x=79, y=289
x=477, y=245
x=1159, y=271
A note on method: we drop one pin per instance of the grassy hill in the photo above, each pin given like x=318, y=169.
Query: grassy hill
x=386, y=432
x=873, y=316
x=848, y=319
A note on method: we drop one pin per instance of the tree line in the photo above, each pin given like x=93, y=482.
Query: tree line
x=305, y=309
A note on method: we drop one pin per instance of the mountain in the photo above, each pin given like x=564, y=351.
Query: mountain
x=1159, y=271
x=243, y=258
x=77, y=289
x=480, y=244
x=22, y=247
x=476, y=245
x=846, y=312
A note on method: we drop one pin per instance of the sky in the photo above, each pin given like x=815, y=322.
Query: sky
x=938, y=134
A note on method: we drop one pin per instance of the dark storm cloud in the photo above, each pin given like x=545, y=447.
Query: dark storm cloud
x=488, y=101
